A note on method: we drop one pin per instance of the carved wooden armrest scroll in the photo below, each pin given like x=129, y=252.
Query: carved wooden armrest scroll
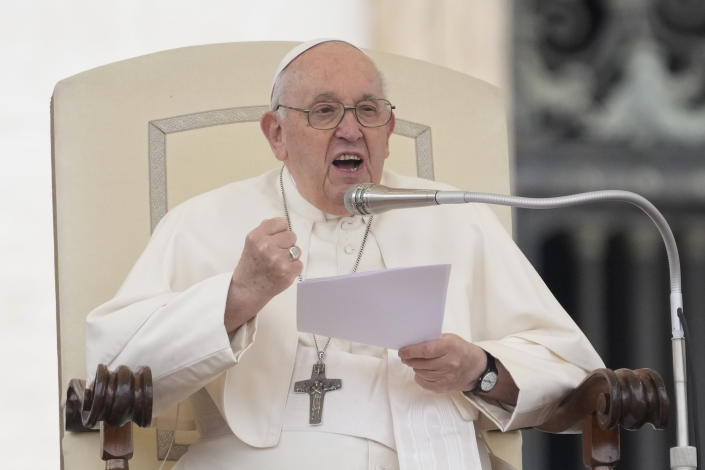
x=605, y=401
x=111, y=404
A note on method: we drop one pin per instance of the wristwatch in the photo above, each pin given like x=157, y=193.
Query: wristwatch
x=488, y=379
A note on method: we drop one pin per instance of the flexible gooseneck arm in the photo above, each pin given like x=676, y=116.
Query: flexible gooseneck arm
x=368, y=198
x=683, y=456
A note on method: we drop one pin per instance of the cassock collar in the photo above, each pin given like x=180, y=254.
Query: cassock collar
x=301, y=207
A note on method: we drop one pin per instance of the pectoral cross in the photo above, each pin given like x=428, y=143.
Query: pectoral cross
x=316, y=387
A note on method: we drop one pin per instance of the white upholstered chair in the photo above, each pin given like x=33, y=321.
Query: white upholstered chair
x=133, y=138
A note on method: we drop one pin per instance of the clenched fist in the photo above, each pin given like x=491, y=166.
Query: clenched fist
x=265, y=269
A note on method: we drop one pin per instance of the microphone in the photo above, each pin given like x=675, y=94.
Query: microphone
x=369, y=198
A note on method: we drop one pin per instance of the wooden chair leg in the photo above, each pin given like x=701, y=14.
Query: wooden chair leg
x=600, y=447
x=116, y=464
x=116, y=445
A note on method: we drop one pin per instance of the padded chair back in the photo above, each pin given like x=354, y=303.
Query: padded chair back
x=133, y=138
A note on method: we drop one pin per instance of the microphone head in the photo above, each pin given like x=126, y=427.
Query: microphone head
x=370, y=198
x=353, y=199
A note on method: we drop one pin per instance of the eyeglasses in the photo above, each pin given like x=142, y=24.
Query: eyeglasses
x=329, y=114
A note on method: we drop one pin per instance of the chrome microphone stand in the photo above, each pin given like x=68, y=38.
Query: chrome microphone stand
x=683, y=456
x=370, y=198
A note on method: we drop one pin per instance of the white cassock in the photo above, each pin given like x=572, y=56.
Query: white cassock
x=169, y=315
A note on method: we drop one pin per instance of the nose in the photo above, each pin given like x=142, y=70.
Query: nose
x=349, y=127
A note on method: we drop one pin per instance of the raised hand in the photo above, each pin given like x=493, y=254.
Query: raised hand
x=265, y=269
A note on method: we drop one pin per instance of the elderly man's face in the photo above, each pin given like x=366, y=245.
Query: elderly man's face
x=324, y=162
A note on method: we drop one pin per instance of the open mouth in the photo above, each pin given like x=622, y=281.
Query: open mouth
x=347, y=162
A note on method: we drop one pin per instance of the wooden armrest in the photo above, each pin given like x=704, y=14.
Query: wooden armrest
x=603, y=403
x=112, y=403
x=625, y=397
x=73, y=421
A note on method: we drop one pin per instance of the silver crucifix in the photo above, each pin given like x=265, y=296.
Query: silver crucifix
x=316, y=387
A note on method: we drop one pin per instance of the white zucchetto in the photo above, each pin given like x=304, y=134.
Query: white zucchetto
x=297, y=51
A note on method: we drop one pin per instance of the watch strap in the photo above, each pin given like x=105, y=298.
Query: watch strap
x=491, y=368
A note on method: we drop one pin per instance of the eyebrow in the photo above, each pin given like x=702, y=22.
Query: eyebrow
x=329, y=96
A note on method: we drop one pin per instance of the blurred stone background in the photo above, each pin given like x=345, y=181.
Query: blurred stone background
x=611, y=94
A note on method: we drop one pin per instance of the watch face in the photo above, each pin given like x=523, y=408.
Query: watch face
x=489, y=380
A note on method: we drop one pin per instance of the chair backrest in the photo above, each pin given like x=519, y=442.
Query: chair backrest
x=133, y=138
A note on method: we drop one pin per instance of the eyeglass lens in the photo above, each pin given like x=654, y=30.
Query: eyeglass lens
x=369, y=113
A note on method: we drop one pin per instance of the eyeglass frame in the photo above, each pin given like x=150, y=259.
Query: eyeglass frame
x=342, y=115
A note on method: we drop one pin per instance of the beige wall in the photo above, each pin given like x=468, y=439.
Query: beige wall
x=470, y=36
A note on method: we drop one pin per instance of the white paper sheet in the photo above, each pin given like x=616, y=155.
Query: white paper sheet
x=390, y=308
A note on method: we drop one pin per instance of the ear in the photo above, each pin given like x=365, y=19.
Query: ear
x=390, y=128
x=272, y=130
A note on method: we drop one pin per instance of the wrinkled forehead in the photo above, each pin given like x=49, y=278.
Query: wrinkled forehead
x=335, y=69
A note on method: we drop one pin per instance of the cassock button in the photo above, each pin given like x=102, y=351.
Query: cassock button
x=349, y=249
